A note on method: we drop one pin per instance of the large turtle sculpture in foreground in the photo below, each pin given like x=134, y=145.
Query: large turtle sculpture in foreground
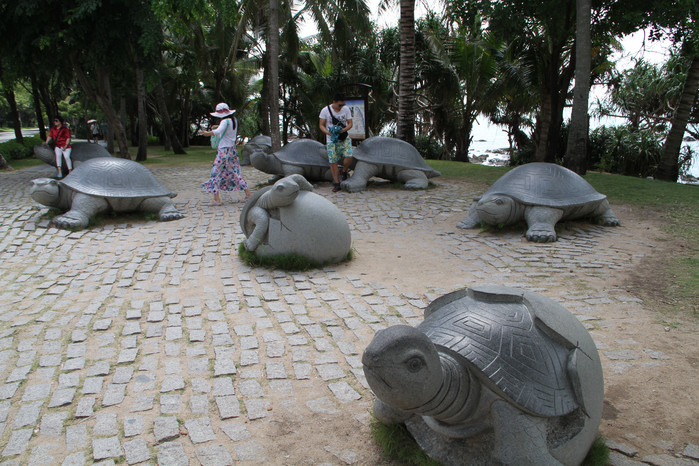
x=103, y=184
x=541, y=194
x=81, y=152
x=390, y=159
x=493, y=375
x=304, y=157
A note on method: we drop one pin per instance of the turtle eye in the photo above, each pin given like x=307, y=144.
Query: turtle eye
x=415, y=364
x=499, y=201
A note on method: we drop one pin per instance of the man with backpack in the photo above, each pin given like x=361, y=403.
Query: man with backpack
x=335, y=122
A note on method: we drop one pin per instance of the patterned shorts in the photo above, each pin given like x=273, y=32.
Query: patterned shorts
x=339, y=150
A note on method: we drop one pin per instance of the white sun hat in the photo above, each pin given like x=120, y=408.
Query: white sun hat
x=222, y=110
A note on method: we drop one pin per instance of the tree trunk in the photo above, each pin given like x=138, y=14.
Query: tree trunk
x=576, y=149
x=264, y=98
x=102, y=99
x=668, y=168
x=159, y=93
x=3, y=164
x=405, y=124
x=37, y=108
x=142, y=153
x=16, y=122
x=273, y=95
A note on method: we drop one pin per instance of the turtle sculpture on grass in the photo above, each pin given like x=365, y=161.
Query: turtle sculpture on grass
x=103, y=184
x=287, y=218
x=541, y=194
x=258, y=143
x=390, y=159
x=81, y=152
x=493, y=375
x=304, y=157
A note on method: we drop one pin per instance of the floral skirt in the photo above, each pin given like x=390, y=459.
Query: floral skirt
x=225, y=174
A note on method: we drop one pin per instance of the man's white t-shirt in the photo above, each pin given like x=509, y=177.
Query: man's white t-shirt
x=344, y=115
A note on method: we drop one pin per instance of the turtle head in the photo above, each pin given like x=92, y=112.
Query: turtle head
x=284, y=192
x=402, y=367
x=499, y=209
x=268, y=163
x=45, y=191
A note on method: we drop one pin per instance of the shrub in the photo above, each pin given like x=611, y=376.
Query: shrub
x=625, y=151
x=12, y=150
x=430, y=149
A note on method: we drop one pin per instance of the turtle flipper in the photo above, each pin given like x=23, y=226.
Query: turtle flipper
x=413, y=179
x=519, y=437
x=163, y=206
x=605, y=214
x=260, y=218
x=363, y=171
x=473, y=219
x=82, y=209
x=541, y=222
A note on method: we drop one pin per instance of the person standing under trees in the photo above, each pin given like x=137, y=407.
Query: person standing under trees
x=225, y=174
x=60, y=135
x=338, y=144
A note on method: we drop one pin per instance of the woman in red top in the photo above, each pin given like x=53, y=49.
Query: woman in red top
x=60, y=134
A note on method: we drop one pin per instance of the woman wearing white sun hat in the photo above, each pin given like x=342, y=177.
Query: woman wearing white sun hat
x=225, y=174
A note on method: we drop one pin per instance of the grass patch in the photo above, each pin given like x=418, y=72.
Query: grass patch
x=288, y=262
x=598, y=454
x=397, y=443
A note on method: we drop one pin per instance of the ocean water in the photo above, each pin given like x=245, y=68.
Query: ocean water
x=490, y=144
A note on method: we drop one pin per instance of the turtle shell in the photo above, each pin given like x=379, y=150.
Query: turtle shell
x=304, y=152
x=116, y=178
x=545, y=184
x=513, y=351
x=81, y=151
x=380, y=150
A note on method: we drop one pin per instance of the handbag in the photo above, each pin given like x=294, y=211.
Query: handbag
x=216, y=139
x=342, y=136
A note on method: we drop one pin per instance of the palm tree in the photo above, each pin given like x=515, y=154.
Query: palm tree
x=576, y=150
x=405, y=124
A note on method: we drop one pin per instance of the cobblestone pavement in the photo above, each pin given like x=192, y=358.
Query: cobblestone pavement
x=152, y=342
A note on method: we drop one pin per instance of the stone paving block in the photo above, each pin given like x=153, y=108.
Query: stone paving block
x=133, y=425
x=36, y=392
x=76, y=437
x=92, y=385
x=105, y=425
x=256, y=408
x=114, y=394
x=172, y=454
x=143, y=402
x=18, y=442
x=344, y=392
x=172, y=383
x=200, y=430
x=74, y=459
x=165, y=428
x=7, y=390
x=136, y=451
x=103, y=448
x=28, y=414
x=330, y=371
x=52, y=424
x=85, y=407
x=170, y=404
x=214, y=455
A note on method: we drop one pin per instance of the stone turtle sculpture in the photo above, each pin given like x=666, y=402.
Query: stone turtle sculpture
x=511, y=374
x=258, y=143
x=304, y=157
x=103, y=184
x=390, y=159
x=542, y=194
x=287, y=218
x=81, y=152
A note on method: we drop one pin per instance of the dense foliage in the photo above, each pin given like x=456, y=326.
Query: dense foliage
x=159, y=66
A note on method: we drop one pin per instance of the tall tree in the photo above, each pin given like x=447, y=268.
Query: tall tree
x=576, y=150
x=273, y=76
x=405, y=121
